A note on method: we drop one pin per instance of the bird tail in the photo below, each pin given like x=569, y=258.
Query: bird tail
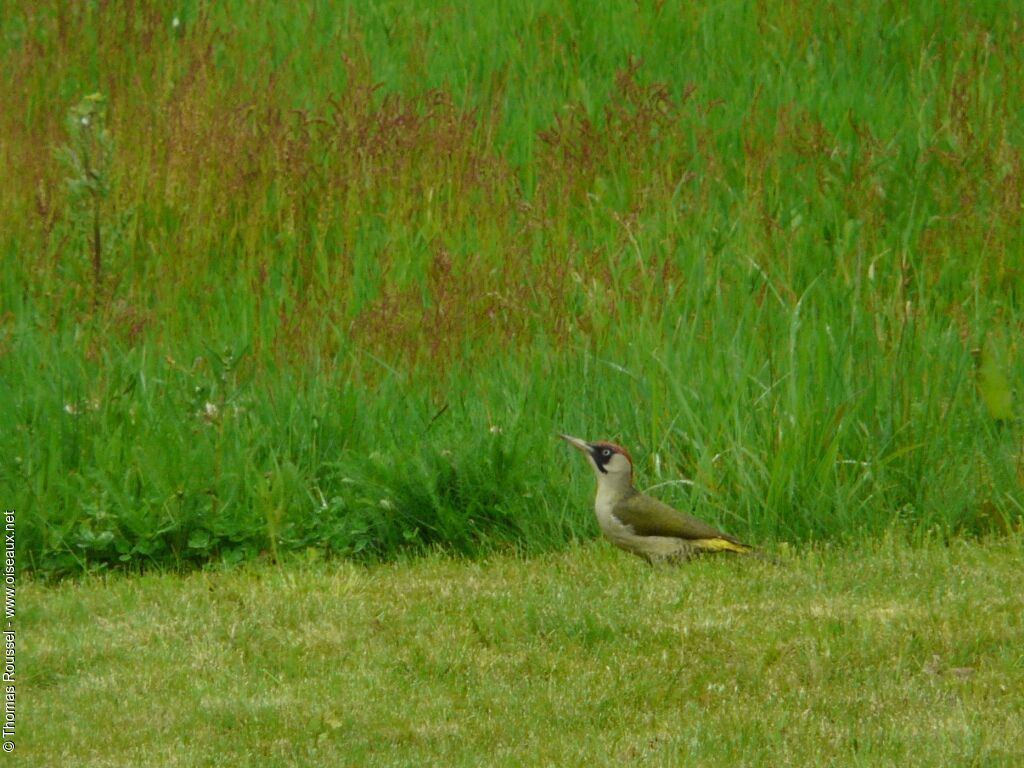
x=725, y=545
x=722, y=545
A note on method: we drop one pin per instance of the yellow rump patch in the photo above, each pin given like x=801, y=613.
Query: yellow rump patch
x=721, y=545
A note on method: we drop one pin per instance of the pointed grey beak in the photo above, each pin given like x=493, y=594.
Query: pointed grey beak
x=575, y=442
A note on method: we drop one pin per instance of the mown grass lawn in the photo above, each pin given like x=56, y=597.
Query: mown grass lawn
x=877, y=654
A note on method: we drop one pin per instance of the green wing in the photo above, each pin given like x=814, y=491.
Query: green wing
x=650, y=517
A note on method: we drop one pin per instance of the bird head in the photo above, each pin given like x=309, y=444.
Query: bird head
x=611, y=463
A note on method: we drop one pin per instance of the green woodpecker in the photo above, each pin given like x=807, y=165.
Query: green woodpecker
x=640, y=524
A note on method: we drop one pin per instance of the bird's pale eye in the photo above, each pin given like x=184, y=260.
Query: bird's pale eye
x=606, y=452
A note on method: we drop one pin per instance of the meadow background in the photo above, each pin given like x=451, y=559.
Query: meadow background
x=327, y=278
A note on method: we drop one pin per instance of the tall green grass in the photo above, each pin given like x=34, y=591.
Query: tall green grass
x=361, y=262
